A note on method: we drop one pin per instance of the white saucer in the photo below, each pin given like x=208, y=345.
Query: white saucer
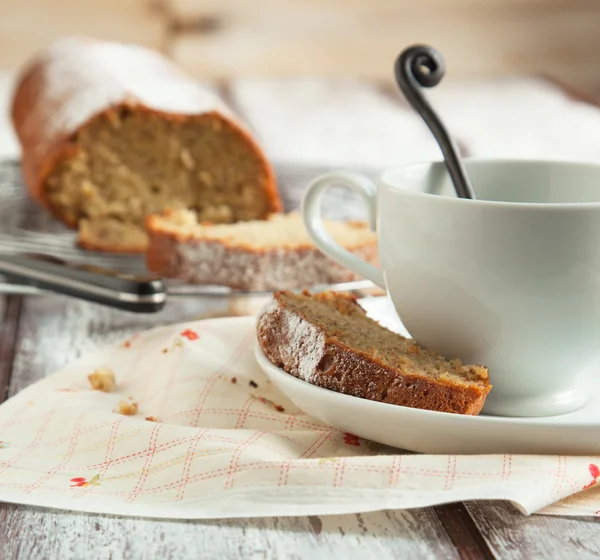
x=425, y=431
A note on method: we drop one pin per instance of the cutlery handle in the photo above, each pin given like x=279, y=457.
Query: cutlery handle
x=91, y=283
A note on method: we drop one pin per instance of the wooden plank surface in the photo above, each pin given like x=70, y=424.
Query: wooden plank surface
x=30, y=533
x=29, y=25
x=464, y=532
x=512, y=536
x=230, y=38
x=284, y=38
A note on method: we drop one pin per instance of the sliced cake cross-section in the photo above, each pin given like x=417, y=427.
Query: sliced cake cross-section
x=271, y=254
x=329, y=341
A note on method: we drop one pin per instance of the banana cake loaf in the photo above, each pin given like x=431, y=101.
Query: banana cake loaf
x=270, y=254
x=328, y=340
x=111, y=133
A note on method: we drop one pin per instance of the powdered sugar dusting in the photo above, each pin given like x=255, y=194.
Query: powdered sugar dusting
x=210, y=262
x=300, y=346
x=82, y=77
x=306, y=345
x=213, y=263
x=272, y=254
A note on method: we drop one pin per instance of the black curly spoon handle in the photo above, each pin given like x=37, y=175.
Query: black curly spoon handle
x=422, y=66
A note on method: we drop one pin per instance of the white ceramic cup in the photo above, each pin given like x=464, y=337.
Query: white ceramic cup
x=510, y=280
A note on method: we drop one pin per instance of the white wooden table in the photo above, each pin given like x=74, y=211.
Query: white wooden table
x=309, y=125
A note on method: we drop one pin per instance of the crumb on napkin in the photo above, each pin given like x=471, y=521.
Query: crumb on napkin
x=270, y=403
x=103, y=379
x=127, y=407
x=152, y=418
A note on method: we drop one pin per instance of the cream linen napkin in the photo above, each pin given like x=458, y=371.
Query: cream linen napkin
x=228, y=444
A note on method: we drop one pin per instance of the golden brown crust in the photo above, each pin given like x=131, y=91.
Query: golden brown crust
x=44, y=145
x=331, y=364
x=40, y=152
x=161, y=251
x=123, y=249
x=86, y=240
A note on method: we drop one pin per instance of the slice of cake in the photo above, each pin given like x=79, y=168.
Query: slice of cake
x=271, y=254
x=328, y=340
x=111, y=133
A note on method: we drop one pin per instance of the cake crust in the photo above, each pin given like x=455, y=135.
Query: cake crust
x=315, y=354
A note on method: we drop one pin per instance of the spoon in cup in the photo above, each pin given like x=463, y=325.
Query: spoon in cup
x=423, y=66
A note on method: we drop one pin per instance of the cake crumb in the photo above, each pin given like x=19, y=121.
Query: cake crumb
x=234, y=380
x=479, y=371
x=414, y=350
x=205, y=178
x=152, y=418
x=253, y=384
x=127, y=408
x=270, y=403
x=103, y=379
x=186, y=159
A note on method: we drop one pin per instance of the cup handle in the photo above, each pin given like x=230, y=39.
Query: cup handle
x=311, y=213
